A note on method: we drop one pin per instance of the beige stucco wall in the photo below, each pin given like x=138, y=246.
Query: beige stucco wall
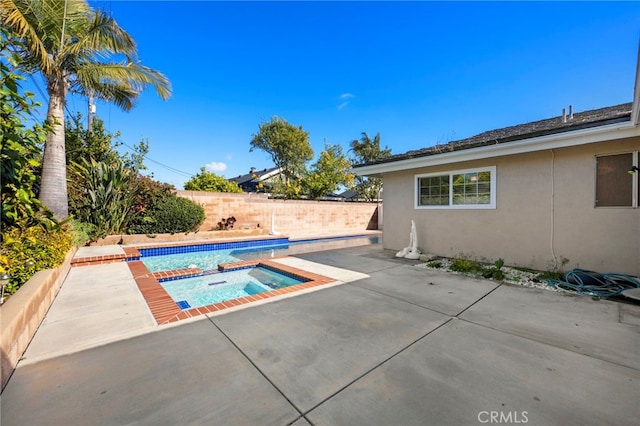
x=292, y=217
x=538, y=215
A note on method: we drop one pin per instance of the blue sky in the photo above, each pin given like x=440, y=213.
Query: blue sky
x=419, y=73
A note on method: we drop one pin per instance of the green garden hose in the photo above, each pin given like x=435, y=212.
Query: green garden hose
x=591, y=283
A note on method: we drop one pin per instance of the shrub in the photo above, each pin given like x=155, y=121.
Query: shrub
x=149, y=196
x=468, y=266
x=495, y=271
x=81, y=233
x=26, y=251
x=434, y=264
x=226, y=224
x=175, y=214
x=20, y=142
x=464, y=265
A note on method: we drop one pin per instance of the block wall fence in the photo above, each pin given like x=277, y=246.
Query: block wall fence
x=291, y=217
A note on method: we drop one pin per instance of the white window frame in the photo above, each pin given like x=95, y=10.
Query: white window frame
x=451, y=206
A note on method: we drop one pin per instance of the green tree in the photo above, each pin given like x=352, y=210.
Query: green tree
x=78, y=50
x=363, y=151
x=208, y=181
x=19, y=148
x=329, y=173
x=289, y=149
x=81, y=143
x=98, y=144
x=135, y=160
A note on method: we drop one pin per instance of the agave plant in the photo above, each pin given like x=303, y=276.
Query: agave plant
x=105, y=193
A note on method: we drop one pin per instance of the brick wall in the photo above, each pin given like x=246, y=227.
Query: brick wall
x=292, y=217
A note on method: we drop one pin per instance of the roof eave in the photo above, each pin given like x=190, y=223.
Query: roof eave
x=635, y=110
x=559, y=140
x=269, y=174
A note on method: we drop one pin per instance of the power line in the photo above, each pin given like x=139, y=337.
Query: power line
x=38, y=87
x=171, y=169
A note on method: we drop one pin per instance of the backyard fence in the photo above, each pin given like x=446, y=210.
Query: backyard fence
x=288, y=217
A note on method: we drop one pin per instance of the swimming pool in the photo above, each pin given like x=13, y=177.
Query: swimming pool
x=210, y=256
x=186, y=281
x=215, y=288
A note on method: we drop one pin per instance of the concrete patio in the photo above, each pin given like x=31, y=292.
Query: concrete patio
x=393, y=344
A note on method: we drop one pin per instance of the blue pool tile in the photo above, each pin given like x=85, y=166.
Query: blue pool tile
x=159, y=251
x=183, y=304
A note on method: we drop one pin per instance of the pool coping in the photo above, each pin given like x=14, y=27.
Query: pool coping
x=128, y=254
x=165, y=310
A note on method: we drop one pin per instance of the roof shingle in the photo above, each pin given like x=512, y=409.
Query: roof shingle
x=582, y=120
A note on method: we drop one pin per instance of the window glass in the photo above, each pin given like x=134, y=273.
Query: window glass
x=466, y=188
x=472, y=188
x=434, y=190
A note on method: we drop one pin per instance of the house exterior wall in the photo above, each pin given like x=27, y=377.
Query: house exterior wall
x=544, y=213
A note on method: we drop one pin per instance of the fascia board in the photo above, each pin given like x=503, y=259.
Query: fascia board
x=635, y=110
x=563, y=140
x=268, y=175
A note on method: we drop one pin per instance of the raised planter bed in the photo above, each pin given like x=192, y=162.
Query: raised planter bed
x=23, y=312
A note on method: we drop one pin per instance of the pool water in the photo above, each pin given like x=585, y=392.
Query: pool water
x=215, y=288
x=205, y=260
x=210, y=259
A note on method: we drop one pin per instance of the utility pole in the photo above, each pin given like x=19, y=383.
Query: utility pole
x=92, y=110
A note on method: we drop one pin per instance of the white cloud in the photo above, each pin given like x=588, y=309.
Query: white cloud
x=345, y=98
x=216, y=167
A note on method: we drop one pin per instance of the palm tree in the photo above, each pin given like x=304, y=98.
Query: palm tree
x=368, y=150
x=77, y=50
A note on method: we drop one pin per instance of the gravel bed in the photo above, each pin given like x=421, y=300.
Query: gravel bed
x=511, y=275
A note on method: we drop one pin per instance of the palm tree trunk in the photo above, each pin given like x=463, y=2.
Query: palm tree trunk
x=53, y=185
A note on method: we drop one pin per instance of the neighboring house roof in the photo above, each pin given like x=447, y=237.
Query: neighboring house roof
x=255, y=175
x=351, y=195
x=348, y=194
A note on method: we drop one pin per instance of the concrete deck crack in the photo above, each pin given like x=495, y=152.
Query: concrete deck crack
x=477, y=301
x=259, y=370
x=374, y=368
x=510, y=333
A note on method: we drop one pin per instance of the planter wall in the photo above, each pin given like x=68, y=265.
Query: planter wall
x=22, y=313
